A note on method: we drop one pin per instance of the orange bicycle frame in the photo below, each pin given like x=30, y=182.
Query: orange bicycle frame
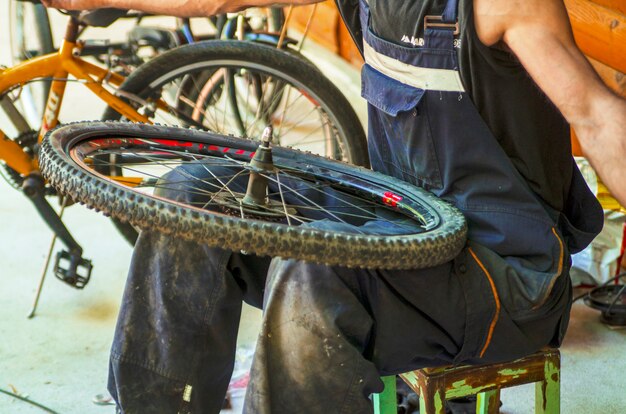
x=58, y=66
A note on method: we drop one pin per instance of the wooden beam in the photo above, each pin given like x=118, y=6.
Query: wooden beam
x=325, y=28
x=617, y=5
x=600, y=32
x=347, y=48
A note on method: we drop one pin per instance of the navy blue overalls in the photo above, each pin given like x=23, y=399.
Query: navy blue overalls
x=329, y=333
x=424, y=129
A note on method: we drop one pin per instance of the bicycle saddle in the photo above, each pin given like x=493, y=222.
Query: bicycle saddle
x=97, y=17
x=100, y=17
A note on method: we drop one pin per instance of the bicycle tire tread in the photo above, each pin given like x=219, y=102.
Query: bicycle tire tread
x=410, y=252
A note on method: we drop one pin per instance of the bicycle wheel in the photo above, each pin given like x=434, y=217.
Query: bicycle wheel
x=238, y=88
x=30, y=36
x=263, y=199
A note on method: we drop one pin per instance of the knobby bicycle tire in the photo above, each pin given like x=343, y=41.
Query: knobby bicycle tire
x=68, y=151
x=202, y=59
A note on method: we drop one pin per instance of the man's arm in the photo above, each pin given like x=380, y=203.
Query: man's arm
x=181, y=8
x=539, y=33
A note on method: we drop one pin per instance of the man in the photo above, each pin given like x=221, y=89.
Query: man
x=454, y=111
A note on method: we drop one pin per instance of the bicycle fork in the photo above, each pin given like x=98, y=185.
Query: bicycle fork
x=69, y=266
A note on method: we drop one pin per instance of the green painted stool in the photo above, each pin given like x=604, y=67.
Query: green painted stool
x=434, y=385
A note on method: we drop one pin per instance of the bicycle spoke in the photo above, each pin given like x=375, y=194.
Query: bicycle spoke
x=345, y=210
x=185, y=172
x=195, y=111
x=177, y=87
x=282, y=198
x=302, y=118
x=195, y=179
x=282, y=188
x=198, y=105
x=247, y=104
x=329, y=194
x=242, y=101
x=260, y=114
x=309, y=200
x=215, y=159
x=224, y=186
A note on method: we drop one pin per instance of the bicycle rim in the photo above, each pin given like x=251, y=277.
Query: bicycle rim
x=197, y=186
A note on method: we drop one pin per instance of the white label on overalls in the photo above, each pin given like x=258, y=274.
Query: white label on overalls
x=423, y=78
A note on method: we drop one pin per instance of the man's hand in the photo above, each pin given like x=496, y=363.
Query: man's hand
x=539, y=33
x=182, y=8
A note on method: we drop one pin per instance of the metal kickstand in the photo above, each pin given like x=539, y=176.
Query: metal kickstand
x=44, y=271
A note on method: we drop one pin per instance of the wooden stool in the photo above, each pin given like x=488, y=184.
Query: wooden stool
x=435, y=385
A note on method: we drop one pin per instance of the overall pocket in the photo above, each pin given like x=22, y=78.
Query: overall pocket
x=582, y=218
x=400, y=142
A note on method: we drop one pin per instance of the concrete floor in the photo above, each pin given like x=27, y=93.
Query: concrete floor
x=59, y=358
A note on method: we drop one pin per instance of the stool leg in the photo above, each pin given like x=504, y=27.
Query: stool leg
x=432, y=401
x=386, y=402
x=488, y=402
x=548, y=391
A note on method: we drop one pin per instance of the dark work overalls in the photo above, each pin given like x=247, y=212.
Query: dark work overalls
x=329, y=333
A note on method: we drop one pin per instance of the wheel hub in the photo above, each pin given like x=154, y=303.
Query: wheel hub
x=255, y=203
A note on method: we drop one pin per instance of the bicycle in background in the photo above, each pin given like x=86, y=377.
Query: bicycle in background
x=30, y=35
x=231, y=87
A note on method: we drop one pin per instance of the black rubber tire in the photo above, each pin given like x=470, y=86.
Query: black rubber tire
x=413, y=250
x=146, y=78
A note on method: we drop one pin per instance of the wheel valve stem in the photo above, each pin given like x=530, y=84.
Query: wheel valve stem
x=267, y=136
x=260, y=165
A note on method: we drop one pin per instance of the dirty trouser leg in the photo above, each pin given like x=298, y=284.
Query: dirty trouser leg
x=330, y=332
x=309, y=357
x=174, y=344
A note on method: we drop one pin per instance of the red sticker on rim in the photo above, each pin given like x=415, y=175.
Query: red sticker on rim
x=391, y=199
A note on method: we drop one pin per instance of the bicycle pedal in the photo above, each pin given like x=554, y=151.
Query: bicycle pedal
x=72, y=269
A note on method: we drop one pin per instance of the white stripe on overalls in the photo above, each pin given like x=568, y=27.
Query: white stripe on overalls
x=423, y=78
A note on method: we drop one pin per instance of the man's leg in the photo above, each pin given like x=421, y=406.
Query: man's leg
x=175, y=339
x=330, y=332
x=309, y=357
